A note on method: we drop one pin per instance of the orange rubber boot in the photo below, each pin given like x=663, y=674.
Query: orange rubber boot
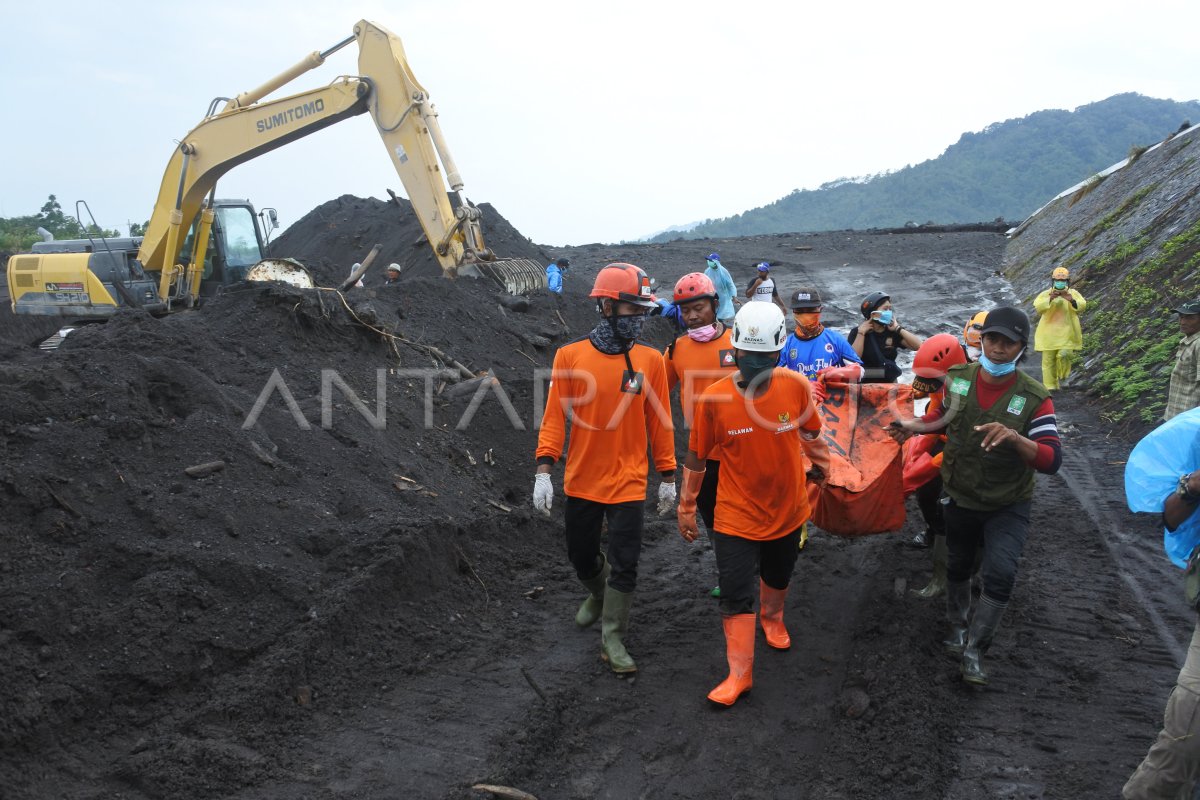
x=770, y=611
x=739, y=651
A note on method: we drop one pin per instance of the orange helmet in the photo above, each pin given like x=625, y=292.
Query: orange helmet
x=973, y=330
x=934, y=357
x=694, y=286
x=623, y=282
x=1060, y=274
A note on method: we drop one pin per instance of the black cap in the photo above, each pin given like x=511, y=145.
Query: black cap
x=1007, y=321
x=1190, y=307
x=564, y=262
x=806, y=297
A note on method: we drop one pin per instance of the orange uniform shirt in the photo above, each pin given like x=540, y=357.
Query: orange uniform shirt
x=613, y=416
x=694, y=366
x=762, y=493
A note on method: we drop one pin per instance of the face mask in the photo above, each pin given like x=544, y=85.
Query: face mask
x=885, y=317
x=1060, y=285
x=998, y=370
x=973, y=353
x=705, y=333
x=628, y=328
x=808, y=325
x=711, y=263
x=751, y=365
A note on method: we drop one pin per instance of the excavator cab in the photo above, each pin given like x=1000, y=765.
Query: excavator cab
x=235, y=244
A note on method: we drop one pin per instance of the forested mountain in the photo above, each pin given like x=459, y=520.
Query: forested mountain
x=1007, y=170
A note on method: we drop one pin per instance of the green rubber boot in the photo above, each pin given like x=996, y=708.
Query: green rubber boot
x=979, y=638
x=937, y=582
x=613, y=627
x=593, y=605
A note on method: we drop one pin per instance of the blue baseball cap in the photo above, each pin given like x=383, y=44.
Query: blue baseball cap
x=714, y=257
x=763, y=266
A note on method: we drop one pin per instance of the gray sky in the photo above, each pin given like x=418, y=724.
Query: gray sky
x=580, y=122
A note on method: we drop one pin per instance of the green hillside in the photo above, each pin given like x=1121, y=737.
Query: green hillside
x=1006, y=171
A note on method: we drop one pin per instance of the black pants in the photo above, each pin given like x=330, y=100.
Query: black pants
x=740, y=561
x=706, y=501
x=1000, y=534
x=929, y=501
x=584, y=520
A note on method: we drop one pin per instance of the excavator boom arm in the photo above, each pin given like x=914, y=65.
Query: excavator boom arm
x=247, y=127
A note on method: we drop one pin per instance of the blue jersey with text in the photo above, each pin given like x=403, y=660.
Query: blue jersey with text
x=810, y=356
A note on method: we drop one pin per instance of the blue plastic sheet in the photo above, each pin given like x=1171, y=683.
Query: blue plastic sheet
x=1153, y=471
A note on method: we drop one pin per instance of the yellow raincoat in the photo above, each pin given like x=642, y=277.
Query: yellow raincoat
x=1058, y=326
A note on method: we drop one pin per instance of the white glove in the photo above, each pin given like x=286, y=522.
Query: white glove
x=543, y=492
x=666, y=498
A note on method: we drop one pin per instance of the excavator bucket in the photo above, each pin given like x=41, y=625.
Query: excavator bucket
x=516, y=275
x=284, y=270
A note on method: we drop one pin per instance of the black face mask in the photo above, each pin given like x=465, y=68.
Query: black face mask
x=628, y=328
x=751, y=365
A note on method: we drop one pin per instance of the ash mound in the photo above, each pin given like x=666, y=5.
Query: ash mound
x=336, y=234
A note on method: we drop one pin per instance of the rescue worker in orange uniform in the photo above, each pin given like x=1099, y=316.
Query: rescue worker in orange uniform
x=616, y=393
x=762, y=420
x=973, y=336
x=695, y=361
x=922, y=466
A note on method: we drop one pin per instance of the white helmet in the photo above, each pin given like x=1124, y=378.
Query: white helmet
x=759, y=327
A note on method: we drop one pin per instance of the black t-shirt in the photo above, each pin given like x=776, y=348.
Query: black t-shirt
x=879, y=355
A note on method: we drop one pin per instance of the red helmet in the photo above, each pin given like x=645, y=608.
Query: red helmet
x=934, y=357
x=694, y=286
x=623, y=282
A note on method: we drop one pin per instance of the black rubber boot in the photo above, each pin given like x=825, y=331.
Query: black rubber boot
x=958, y=605
x=983, y=628
x=593, y=604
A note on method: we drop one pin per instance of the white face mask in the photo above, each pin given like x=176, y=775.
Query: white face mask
x=973, y=353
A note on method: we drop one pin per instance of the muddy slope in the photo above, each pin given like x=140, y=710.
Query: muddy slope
x=1131, y=238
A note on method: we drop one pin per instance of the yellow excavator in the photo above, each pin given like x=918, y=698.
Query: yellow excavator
x=195, y=243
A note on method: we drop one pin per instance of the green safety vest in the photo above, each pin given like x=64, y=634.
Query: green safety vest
x=972, y=477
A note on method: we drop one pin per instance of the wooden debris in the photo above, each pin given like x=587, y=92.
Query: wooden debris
x=501, y=506
x=63, y=503
x=263, y=455
x=506, y=792
x=471, y=386
x=362, y=268
x=204, y=470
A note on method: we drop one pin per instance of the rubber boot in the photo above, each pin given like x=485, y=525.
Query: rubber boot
x=739, y=652
x=983, y=628
x=770, y=613
x=958, y=605
x=592, y=606
x=937, y=582
x=613, y=627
